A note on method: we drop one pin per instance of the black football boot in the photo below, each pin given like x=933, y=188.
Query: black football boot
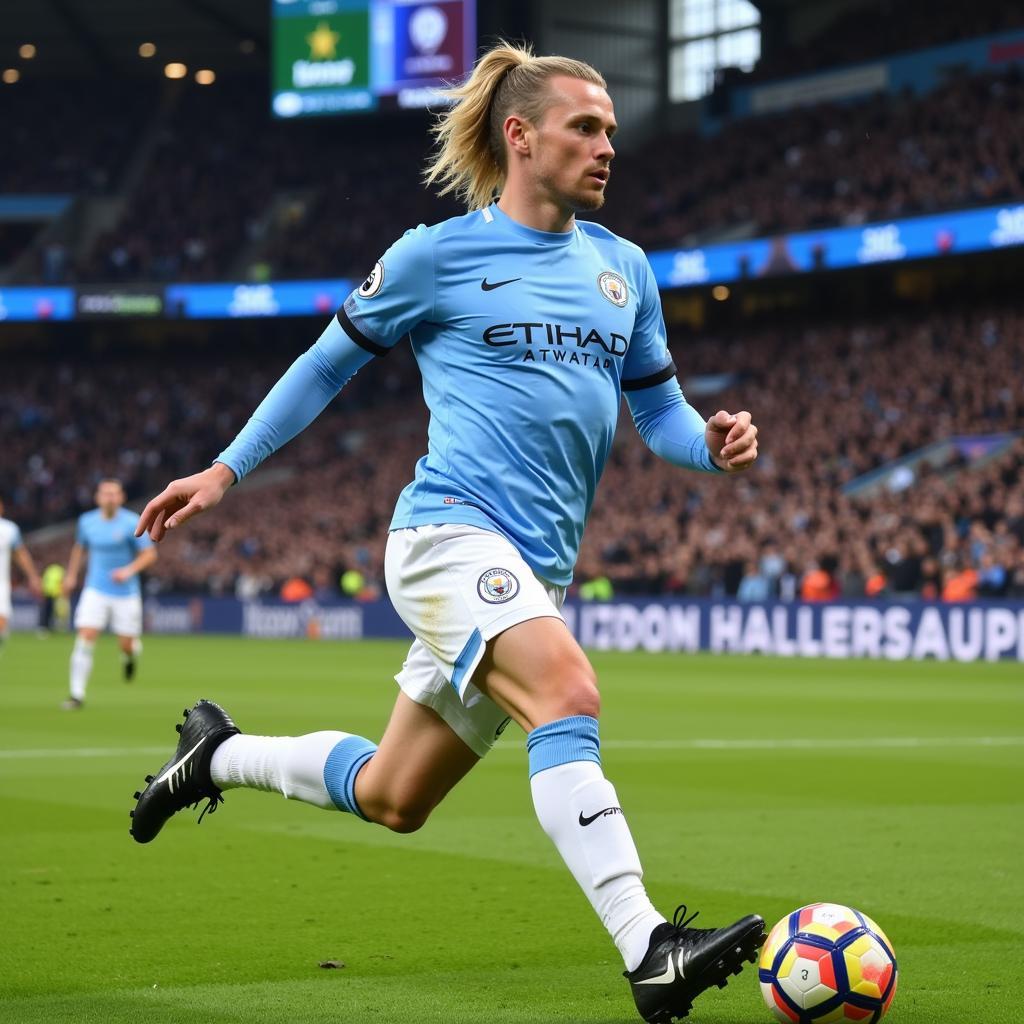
x=184, y=781
x=682, y=962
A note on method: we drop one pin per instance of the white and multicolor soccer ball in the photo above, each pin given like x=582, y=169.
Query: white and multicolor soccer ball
x=826, y=963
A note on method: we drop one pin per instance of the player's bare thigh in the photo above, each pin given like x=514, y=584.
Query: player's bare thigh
x=418, y=762
x=536, y=672
x=89, y=634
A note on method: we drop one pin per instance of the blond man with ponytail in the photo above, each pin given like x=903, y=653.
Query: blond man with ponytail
x=528, y=326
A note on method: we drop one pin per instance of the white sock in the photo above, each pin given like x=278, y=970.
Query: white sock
x=599, y=851
x=290, y=765
x=81, y=666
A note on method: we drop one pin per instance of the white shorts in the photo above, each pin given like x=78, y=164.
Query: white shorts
x=456, y=587
x=96, y=610
x=5, y=603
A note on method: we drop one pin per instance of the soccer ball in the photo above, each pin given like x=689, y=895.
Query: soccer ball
x=826, y=963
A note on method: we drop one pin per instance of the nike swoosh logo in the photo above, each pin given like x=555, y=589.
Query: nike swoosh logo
x=668, y=975
x=666, y=978
x=488, y=287
x=174, y=767
x=600, y=814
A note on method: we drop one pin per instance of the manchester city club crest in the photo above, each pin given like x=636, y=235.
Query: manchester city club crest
x=372, y=284
x=496, y=586
x=613, y=288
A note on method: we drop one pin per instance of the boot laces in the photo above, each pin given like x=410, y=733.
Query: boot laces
x=214, y=798
x=682, y=923
x=679, y=918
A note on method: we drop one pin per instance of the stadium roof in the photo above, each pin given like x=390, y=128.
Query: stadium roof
x=75, y=38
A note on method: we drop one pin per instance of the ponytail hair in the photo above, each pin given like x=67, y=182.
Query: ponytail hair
x=508, y=79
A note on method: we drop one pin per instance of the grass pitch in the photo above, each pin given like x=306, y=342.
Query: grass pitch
x=750, y=785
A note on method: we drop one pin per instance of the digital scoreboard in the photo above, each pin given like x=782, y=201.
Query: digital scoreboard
x=350, y=56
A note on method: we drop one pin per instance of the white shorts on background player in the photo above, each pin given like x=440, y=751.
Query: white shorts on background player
x=5, y=604
x=96, y=610
x=456, y=587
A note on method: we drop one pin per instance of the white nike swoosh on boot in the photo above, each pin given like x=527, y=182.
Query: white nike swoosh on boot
x=174, y=767
x=662, y=979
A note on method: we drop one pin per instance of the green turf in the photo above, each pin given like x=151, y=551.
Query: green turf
x=474, y=918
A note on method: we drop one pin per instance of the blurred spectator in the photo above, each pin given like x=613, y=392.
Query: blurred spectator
x=295, y=590
x=961, y=584
x=755, y=585
x=818, y=583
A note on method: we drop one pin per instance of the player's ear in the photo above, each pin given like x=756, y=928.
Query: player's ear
x=517, y=134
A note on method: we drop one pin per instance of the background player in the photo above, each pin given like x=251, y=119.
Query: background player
x=527, y=326
x=11, y=545
x=54, y=607
x=112, y=595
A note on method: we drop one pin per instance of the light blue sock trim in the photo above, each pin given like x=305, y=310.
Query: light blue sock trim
x=342, y=767
x=569, y=739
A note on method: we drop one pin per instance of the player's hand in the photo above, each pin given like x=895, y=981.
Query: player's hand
x=35, y=588
x=731, y=440
x=68, y=585
x=182, y=499
x=121, y=574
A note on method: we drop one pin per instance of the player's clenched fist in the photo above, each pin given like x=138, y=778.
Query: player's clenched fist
x=731, y=440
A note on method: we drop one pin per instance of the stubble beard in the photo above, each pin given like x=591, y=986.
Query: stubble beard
x=590, y=201
x=586, y=200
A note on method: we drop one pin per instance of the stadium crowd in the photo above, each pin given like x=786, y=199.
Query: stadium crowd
x=885, y=157
x=228, y=193
x=882, y=27
x=71, y=148
x=833, y=402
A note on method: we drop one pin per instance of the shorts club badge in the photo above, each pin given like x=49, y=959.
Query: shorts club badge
x=496, y=586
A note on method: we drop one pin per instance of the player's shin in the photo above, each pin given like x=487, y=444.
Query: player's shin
x=319, y=768
x=81, y=667
x=579, y=810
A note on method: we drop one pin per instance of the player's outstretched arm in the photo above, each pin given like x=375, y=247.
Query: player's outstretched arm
x=292, y=404
x=182, y=499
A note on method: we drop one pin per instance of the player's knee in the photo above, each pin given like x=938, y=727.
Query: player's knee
x=577, y=692
x=404, y=818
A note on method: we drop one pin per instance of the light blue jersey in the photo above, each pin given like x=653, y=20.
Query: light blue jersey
x=525, y=341
x=111, y=544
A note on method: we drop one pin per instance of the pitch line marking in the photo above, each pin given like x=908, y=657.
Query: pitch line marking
x=78, y=752
x=844, y=743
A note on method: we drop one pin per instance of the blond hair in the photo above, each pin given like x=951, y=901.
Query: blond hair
x=508, y=79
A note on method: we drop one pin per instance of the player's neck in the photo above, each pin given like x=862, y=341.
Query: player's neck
x=108, y=515
x=539, y=213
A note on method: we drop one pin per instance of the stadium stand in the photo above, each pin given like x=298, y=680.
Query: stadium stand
x=71, y=148
x=221, y=191
x=834, y=401
x=883, y=27
x=829, y=164
x=227, y=194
